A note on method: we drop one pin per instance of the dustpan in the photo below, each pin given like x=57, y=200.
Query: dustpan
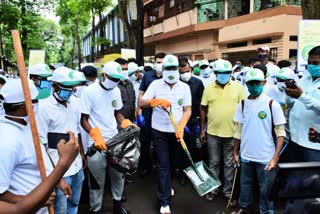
x=198, y=173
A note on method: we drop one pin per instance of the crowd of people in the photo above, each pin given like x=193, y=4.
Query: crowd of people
x=251, y=115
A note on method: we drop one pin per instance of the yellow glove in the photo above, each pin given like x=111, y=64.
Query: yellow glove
x=181, y=126
x=98, y=139
x=125, y=123
x=160, y=102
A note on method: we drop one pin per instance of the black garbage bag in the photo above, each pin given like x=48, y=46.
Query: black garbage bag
x=123, y=150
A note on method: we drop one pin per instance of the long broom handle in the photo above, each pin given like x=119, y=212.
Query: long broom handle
x=183, y=144
x=27, y=96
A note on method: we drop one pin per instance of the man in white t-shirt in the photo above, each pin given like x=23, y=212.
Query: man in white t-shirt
x=56, y=116
x=19, y=171
x=100, y=111
x=39, y=74
x=206, y=73
x=163, y=93
x=256, y=118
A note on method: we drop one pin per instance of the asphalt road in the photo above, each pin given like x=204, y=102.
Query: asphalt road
x=141, y=194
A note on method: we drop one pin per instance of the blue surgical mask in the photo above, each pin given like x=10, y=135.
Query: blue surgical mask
x=45, y=84
x=314, y=70
x=262, y=56
x=64, y=94
x=255, y=90
x=206, y=72
x=223, y=78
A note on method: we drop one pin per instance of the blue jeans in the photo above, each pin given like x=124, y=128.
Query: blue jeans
x=249, y=171
x=62, y=204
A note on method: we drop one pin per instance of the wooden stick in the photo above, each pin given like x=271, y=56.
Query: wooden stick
x=27, y=96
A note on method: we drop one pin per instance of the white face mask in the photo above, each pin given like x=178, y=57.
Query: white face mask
x=78, y=90
x=281, y=85
x=185, y=77
x=171, y=76
x=206, y=72
x=108, y=84
x=158, y=68
x=133, y=77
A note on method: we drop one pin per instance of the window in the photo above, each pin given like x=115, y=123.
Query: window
x=293, y=38
x=261, y=41
x=293, y=53
x=236, y=45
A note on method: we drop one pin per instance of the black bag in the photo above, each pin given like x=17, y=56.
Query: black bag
x=123, y=151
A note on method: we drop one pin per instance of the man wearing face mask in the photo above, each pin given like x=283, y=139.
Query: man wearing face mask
x=91, y=74
x=206, y=74
x=19, y=169
x=56, y=116
x=192, y=131
x=304, y=114
x=256, y=118
x=219, y=102
x=39, y=75
x=263, y=55
x=100, y=111
x=161, y=94
x=146, y=131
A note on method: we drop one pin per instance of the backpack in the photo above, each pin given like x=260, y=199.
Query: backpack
x=270, y=107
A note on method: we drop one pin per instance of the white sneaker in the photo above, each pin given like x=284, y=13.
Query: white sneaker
x=165, y=210
x=172, y=192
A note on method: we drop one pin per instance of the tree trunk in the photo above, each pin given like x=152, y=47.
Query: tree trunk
x=78, y=40
x=131, y=37
x=93, y=37
x=101, y=35
x=24, y=32
x=311, y=9
x=73, y=51
x=1, y=48
x=140, y=37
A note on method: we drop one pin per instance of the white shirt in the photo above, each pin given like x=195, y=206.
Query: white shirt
x=19, y=171
x=207, y=81
x=273, y=92
x=179, y=96
x=136, y=86
x=257, y=143
x=100, y=105
x=54, y=117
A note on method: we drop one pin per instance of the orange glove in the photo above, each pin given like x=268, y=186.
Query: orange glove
x=98, y=139
x=181, y=126
x=125, y=123
x=160, y=102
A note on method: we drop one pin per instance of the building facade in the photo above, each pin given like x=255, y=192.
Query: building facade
x=229, y=29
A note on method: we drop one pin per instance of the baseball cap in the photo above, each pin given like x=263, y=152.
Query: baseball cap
x=89, y=71
x=204, y=62
x=285, y=74
x=12, y=91
x=222, y=65
x=264, y=47
x=64, y=76
x=170, y=61
x=113, y=69
x=254, y=74
x=272, y=70
x=42, y=70
x=132, y=67
x=3, y=77
x=79, y=76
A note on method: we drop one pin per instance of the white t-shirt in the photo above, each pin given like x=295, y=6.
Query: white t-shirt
x=273, y=92
x=19, y=171
x=179, y=96
x=209, y=80
x=54, y=117
x=257, y=143
x=100, y=105
x=136, y=86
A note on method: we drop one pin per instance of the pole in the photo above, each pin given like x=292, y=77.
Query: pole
x=139, y=36
x=27, y=96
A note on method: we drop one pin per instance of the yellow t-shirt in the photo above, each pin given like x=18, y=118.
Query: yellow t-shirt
x=222, y=104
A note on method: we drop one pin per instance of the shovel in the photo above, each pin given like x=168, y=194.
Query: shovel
x=198, y=173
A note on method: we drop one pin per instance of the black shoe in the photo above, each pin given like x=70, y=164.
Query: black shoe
x=118, y=208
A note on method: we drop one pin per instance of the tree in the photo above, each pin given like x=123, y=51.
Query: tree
x=311, y=9
x=129, y=30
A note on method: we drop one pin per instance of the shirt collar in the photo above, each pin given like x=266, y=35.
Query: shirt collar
x=11, y=122
x=55, y=102
x=216, y=85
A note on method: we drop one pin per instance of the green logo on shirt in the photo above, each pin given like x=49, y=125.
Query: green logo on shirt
x=170, y=77
x=180, y=102
x=114, y=103
x=262, y=115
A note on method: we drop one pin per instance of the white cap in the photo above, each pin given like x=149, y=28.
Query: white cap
x=285, y=74
x=3, y=77
x=64, y=76
x=79, y=76
x=170, y=61
x=264, y=47
x=141, y=68
x=254, y=74
x=113, y=69
x=272, y=70
x=132, y=67
x=190, y=63
x=40, y=70
x=203, y=62
x=221, y=65
x=236, y=67
x=12, y=91
x=196, y=62
x=149, y=64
